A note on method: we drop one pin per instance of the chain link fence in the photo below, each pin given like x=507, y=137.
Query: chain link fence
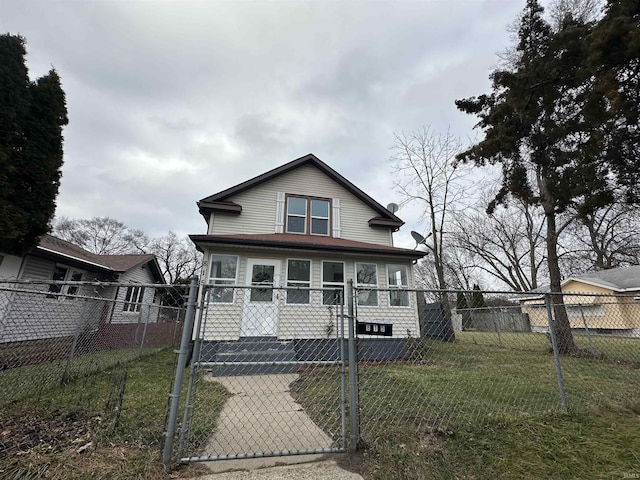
x=56, y=333
x=306, y=370
x=255, y=344
x=501, y=359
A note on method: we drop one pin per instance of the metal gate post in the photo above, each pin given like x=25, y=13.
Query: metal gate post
x=195, y=365
x=556, y=355
x=180, y=367
x=343, y=386
x=354, y=420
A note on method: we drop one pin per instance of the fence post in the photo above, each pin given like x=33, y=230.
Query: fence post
x=343, y=386
x=144, y=329
x=180, y=367
x=556, y=355
x=586, y=329
x=354, y=420
x=79, y=327
x=195, y=364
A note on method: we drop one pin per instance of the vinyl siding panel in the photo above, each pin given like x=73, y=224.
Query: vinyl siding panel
x=148, y=313
x=259, y=207
x=223, y=321
x=37, y=315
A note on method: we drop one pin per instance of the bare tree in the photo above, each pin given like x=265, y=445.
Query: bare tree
x=427, y=174
x=606, y=238
x=101, y=235
x=507, y=245
x=178, y=257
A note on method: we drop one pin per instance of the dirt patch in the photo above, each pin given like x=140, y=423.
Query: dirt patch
x=30, y=433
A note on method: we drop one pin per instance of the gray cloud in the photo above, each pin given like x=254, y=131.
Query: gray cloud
x=172, y=101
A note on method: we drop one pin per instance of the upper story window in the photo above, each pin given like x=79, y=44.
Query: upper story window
x=308, y=215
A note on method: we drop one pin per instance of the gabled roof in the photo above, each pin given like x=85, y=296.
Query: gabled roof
x=220, y=201
x=57, y=249
x=618, y=280
x=307, y=243
x=623, y=279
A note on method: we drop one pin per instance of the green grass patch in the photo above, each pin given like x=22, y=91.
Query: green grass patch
x=471, y=409
x=63, y=436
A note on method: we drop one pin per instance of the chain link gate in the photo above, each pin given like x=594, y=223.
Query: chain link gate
x=255, y=350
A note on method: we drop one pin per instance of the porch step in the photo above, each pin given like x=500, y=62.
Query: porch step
x=253, y=356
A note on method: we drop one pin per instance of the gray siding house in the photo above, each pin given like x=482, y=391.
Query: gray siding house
x=25, y=316
x=300, y=225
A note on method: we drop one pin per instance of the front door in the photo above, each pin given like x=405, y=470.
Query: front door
x=260, y=313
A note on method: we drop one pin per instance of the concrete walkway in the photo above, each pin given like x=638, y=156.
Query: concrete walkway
x=259, y=417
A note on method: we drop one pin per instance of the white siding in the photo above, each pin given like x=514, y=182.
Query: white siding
x=10, y=266
x=147, y=313
x=259, y=207
x=33, y=316
x=223, y=321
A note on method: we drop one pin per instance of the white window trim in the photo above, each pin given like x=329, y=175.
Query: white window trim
x=211, y=280
x=64, y=289
x=337, y=284
x=308, y=217
x=327, y=218
x=372, y=286
x=286, y=282
x=394, y=287
x=134, y=304
x=287, y=215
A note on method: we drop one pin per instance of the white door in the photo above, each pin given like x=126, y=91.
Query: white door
x=260, y=312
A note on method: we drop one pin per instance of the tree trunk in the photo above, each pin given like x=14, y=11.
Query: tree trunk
x=564, y=335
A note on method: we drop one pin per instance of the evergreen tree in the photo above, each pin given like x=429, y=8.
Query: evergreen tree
x=556, y=138
x=32, y=115
x=477, y=299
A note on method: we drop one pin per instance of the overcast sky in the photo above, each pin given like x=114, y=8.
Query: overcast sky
x=170, y=102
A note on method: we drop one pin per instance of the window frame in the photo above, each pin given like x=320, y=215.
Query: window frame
x=309, y=283
x=326, y=284
x=56, y=289
x=308, y=218
x=212, y=280
x=372, y=286
x=397, y=289
x=133, y=299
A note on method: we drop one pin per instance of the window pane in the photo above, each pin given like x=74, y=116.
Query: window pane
x=299, y=270
x=59, y=274
x=223, y=266
x=320, y=208
x=319, y=226
x=368, y=297
x=221, y=294
x=297, y=206
x=295, y=224
x=332, y=272
x=398, y=276
x=399, y=299
x=297, y=296
x=367, y=274
x=331, y=297
x=76, y=277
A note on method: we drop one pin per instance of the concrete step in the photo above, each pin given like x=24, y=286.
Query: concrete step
x=240, y=369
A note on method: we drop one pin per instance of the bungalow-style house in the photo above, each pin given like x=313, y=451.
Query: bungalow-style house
x=26, y=316
x=301, y=225
x=611, y=306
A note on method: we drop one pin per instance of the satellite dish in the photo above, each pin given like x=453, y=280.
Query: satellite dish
x=393, y=207
x=419, y=238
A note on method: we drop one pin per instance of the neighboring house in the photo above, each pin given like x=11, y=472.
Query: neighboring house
x=611, y=306
x=25, y=316
x=301, y=225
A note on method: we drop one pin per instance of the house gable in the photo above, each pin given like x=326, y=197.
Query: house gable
x=256, y=206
